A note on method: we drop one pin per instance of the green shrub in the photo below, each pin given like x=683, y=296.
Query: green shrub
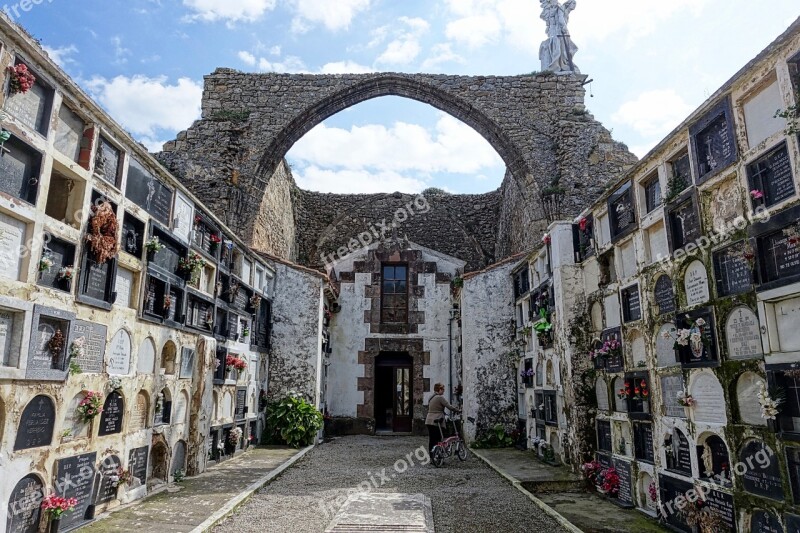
x=292, y=421
x=497, y=437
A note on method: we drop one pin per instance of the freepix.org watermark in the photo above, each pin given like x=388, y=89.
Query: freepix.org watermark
x=378, y=232
x=375, y=480
x=16, y=10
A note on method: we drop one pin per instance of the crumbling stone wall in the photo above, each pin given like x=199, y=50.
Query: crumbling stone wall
x=537, y=123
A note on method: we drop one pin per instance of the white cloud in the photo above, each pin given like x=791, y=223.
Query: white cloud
x=334, y=15
x=345, y=67
x=228, y=10
x=653, y=113
x=313, y=178
x=442, y=53
x=144, y=105
x=61, y=56
x=451, y=147
x=247, y=58
x=406, y=46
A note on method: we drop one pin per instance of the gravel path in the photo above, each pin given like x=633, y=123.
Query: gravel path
x=466, y=497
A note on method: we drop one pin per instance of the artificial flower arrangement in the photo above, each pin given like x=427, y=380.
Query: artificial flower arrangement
x=154, y=245
x=90, y=406
x=770, y=402
x=686, y=400
x=55, y=506
x=21, y=80
x=66, y=273
x=235, y=363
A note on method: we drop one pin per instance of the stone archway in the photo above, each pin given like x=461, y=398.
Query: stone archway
x=537, y=124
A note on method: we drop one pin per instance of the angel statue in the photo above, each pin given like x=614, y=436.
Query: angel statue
x=558, y=50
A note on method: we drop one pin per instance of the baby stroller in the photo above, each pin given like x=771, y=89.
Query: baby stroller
x=447, y=447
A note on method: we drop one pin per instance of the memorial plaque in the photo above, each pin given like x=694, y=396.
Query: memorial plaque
x=764, y=478
x=601, y=389
x=781, y=258
x=113, y=414
x=621, y=211
x=107, y=161
x=721, y=504
x=75, y=478
x=684, y=224
x=69, y=133
x=119, y=355
x=109, y=469
x=631, y=304
x=12, y=237
x=148, y=192
x=24, y=506
x=20, y=167
x=747, y=387
x=36, y=424
x=625, y=473
x=671, y=386
x=94, y=349
x=187, y=363
x=743, y=334
x=137, y=463
x=139, y=413
x=696, y=284
x=32, y=107
x=710, y=400
x=764, y=522
x=714, y=141
x=664, y=295
x=733, y=272
x=241, y=403
x=772, y=175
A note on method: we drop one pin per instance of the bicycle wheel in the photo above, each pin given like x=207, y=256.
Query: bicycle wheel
x=461, y=450
x=437, y=456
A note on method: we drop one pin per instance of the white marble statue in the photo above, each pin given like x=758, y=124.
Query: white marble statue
x=558, y=50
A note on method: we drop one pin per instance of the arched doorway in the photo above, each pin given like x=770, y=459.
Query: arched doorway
x=394, y=393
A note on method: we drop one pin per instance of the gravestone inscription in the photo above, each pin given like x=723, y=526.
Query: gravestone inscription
x=76, y=477
x=24, y=506
x=36, y=424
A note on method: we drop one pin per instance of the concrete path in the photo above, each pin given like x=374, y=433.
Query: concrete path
x=198, y=503
x=561, y=494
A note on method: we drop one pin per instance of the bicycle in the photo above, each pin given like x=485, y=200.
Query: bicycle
x=449, y=446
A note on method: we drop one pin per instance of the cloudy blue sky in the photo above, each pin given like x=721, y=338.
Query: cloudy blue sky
x=653, y=62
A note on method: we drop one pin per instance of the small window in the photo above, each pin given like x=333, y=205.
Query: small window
x=394, y=301
x=652, y=193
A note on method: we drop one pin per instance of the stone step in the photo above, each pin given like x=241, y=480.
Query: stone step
x=384, y=512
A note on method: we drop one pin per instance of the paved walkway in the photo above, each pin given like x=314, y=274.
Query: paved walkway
x=562, y=492
x=195, y=502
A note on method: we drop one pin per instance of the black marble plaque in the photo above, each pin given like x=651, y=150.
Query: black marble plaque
x=24, y=506
x=761, y=480
x=241, y=403
x=664, y=294
x=113, y=414
x=764, y=522
x=19, y=171
x=622, y=212
x=684, y=224
x=75, y=479
x=109, y=469
x=732, y=271
x=187, y=363
x=625, y=473
x=148, y=192
x=94, y=348
x=36, y=424
x=107, y=161
x=631, y=304
x=772, y=175
x=721, y=504
x=714, y=141
x=137, y=463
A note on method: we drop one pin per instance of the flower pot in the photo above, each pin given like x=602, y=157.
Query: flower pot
x=55, y=523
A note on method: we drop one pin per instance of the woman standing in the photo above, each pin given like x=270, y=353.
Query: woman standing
x=436, y=407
